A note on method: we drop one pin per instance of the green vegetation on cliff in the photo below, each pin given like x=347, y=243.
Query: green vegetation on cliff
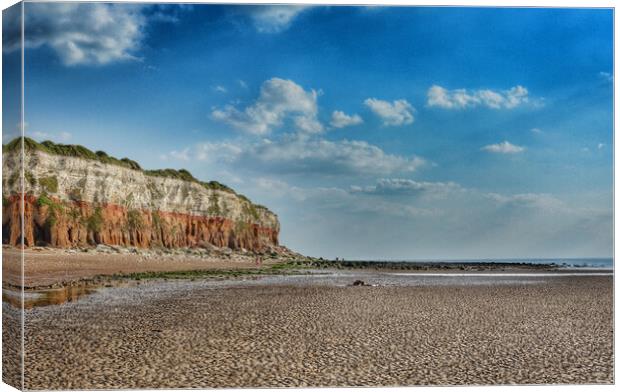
x=50, y=184
x=68, y=150
x=54, y=209
x=94, y=222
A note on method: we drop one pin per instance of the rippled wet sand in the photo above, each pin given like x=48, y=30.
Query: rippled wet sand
x=77, y=290
x=318, y=331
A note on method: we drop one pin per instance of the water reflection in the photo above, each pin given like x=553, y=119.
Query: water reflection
x=45, y=297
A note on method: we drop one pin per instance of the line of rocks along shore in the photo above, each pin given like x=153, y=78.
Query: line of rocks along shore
x=283, y=254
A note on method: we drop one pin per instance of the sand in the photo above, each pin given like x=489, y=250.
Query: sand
x=48, y=266
x=557, y=330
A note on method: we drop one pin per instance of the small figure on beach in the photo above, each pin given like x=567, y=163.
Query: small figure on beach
x=259, y=261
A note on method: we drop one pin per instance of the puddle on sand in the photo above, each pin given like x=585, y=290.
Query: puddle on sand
x=57, y=295
x=45, y=297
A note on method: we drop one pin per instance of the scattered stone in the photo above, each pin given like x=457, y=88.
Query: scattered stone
x=103, y=248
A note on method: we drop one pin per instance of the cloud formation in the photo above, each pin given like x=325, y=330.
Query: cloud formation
x=399, y=112
x=62, y=136
x=341, y=120
x=310, y=156
x=275, y=18
x=82, y=33
x=540, y=201
x=606, y=76
x=466, y=223
x=331, y=157
x=335, y=200
x=407, y=187
x=278, y=100
x=183, y=155
x=441, y=97
x=86, y=33
x=504, y=147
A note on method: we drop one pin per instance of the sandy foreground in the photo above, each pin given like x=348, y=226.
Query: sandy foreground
x=276, y=331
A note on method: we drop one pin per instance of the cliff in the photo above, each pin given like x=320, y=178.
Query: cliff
x=74, y=197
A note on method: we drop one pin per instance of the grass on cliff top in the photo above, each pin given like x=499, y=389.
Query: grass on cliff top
x=68, y=150
x=75, y=150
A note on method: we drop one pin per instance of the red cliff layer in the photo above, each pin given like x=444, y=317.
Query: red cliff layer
x=50, y=221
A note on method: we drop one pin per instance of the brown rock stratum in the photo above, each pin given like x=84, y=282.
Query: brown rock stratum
x=144, y=229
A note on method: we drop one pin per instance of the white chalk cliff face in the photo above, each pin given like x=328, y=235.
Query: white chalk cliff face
x=72, y=201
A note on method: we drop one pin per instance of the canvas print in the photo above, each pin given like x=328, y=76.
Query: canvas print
x=216, y=196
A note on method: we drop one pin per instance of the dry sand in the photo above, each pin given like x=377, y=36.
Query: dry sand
x=556, y=331
x=45, y=267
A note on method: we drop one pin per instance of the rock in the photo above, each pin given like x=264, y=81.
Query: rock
x=103, y=248
x=99, y=203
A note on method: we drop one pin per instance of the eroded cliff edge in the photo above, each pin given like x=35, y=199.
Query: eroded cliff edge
x=74, y=197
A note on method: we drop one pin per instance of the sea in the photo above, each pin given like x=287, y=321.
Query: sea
x=592, y=262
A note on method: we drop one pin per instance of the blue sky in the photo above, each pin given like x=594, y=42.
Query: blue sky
x=373, y=132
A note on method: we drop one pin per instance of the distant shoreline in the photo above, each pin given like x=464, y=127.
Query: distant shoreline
x=53, y=267
x=469, y=265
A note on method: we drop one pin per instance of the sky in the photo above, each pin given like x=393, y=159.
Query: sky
x=373, y=132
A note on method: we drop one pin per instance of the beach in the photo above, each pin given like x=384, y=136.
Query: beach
x=319, y=330
x=48, y=266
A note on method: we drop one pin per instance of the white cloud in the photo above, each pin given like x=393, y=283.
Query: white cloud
x=341, y=120
x=60, y=136
x=441, y=220
x=399, y=112
x=401, y=186
x=541, y=201
x=332, y=157
x=218, y=152
x=275, y=18
x=536, y=130
x=606, y=76
x=307, y=156
x=504, y=147
x=340, y=201
x=83, y=33
x=308, y=124
x=461, y=98
x=279, y=99
x=600, y=146
x=278, y=188
x=242, y=83
x=383, y=208
x=220, y=89
x=64, y=135
x=182, y=155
